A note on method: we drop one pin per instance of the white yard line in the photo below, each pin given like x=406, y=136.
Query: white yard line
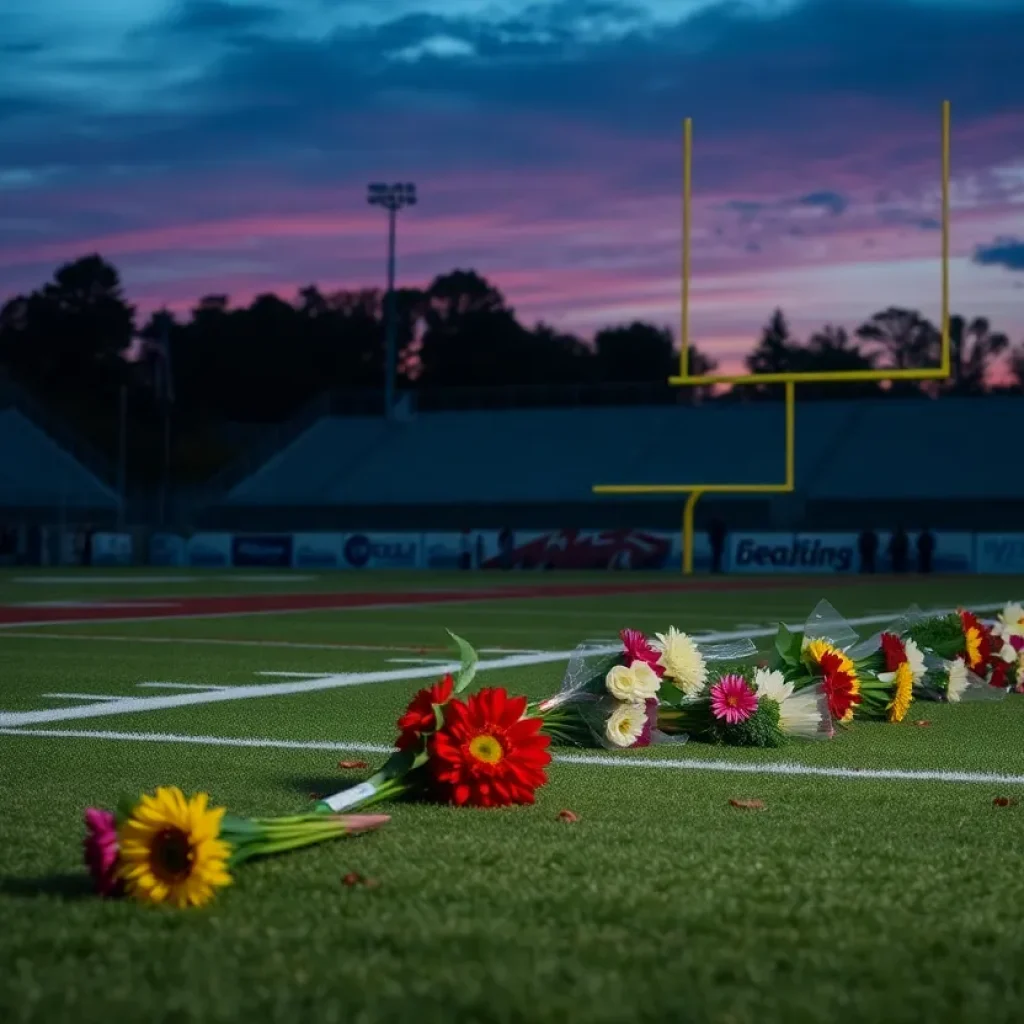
x=82, y=696
x=182, y=686
x=137, y=705
x=787, y=768
x=218, y=642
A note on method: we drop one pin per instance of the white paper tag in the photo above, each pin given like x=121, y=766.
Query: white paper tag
x=348, y=797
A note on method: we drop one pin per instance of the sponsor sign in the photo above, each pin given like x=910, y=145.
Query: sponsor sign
x=792, y=552
x=209, y=550
x=455, y=550
x=318, y=550
x=583, y=549
x=382, y=551
x=167, y=549
x=1000, y=553
x=111, y=549
x=266, y=550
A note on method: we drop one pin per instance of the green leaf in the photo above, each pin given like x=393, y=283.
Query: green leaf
x=124, y=808
x=787, y=644
x=469, y=659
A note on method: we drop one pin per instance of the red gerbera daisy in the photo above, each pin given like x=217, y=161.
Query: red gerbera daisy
x=638, y=648
x=487, y=754
x=893, y=651
x=842, y=688
x=419, y=715
x=977, y=641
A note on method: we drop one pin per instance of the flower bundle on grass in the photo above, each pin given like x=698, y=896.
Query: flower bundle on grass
x=611, y=698
x=968, y=653
x=484, y=751
x=169, y=848
x=750, y=709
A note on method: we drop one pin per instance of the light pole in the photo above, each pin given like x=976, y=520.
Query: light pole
x=392, y=198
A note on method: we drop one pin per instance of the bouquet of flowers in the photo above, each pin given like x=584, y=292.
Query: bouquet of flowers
x=612, y=697
x=758, y=708
x=873, y=678
x=968, y=652
x=1009, y=628
x=484, y=751
x=169, y=848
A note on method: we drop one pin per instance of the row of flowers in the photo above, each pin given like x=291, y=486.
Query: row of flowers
x=492, y=749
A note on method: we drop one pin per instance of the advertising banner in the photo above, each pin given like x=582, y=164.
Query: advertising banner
x=209, y=550
x=167, y=549
x=382, y=551
x=454, y=550
x=318, y=550
x=264, y=550
x=111, y=549
x=582, y=549
x=1000, y=553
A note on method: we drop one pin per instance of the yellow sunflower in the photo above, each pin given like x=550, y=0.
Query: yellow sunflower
x=903, y=694
x=171, y=851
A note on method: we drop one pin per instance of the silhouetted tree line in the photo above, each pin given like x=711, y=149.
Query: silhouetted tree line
x=76, y=344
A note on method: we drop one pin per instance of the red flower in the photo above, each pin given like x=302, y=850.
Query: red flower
x=1000, y=670
x=419, y=715
x=977, y=641
x=842, y=688
x=893, y=651
x=638, y=648
x=487, y=754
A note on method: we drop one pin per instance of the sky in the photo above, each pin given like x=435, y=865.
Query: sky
x=209, y=146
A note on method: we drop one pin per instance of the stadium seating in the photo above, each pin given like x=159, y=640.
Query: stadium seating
x=889, y=448
x=35, y=472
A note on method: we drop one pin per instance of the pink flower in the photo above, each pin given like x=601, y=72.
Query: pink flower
x=637, y=648
x=1017, y=643
x=101, y=851
x=733, y=699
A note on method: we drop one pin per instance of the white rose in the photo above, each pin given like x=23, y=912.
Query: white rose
x=636, y=682
x=626, y=724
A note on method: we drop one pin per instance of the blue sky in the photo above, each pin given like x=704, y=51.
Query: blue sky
x=211, y=146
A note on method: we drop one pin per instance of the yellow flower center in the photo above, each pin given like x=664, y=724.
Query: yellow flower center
x=172, y=855
x=973, y=639
x=486, y=748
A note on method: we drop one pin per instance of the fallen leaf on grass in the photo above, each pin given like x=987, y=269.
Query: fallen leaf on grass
x=747, y=805
x=353, y=878
x=568, y=816
x=346, y=766
x=922, y=723
x=1004, y=801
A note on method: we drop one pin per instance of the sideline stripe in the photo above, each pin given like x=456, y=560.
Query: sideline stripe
x=788, y=768
x=135, y=705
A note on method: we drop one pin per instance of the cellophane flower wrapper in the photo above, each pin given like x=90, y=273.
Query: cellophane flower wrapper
x=580, y=713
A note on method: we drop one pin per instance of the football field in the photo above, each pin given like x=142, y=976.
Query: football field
x=877, y=878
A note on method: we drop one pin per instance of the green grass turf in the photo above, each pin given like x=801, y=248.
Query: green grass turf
x=843, y=899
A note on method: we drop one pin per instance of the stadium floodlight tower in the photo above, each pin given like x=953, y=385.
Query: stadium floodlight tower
x=392, y=198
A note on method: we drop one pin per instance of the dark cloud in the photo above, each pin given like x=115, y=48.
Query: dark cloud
x=1007, y=252
x=216, y=16
x=831, y=201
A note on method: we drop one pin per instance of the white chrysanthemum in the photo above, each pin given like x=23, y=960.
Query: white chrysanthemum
x=1010, y=621
x=915, y=659
x=626, y=724
x=635, y=682
x=681, y=660
x=800, y=714
x=956, y=681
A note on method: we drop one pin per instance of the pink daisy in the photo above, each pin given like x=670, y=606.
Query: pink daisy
x=733, y=699
x=101, y=851
x=638, y=648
